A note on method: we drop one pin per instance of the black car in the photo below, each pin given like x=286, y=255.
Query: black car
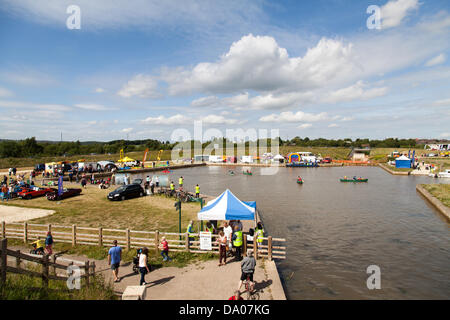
x=126, y=192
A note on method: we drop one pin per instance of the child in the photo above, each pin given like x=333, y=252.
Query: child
x=165, y=249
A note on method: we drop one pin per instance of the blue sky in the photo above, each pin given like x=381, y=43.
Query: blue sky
x=145, y=68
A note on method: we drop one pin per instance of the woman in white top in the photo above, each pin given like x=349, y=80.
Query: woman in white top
x=222, y=240
x=143, y=267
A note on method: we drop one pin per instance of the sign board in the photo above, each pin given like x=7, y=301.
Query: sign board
x=205, y=240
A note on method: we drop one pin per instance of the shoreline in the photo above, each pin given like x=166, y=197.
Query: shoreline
x=397, y=173
x=444, y=210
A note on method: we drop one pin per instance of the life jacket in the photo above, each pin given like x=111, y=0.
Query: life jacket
x=180, y=181
x=197, y=189
x=210, y=229
x=172, y=187
x=238, y=241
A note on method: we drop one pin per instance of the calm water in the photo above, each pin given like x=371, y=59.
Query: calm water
x=335, y=230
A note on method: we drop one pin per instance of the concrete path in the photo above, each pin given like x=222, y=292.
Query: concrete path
x=197, y=281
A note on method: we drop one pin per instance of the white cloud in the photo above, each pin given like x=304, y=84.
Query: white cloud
x=443, y=102
x=440, y=59
x=26, y=76
x=393, y=12
x=142, y=86
x=215, y=119
x=305, y=126
x=93, y=107
x=445, y=135
x=5, y=93
x=99, y=90
x=126, y=130
x=354, y=92
x=162, y=120
x=299, y=116
x=332, y=125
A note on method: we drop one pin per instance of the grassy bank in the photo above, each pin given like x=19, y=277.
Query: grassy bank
x=440, y=191
x=93, y=209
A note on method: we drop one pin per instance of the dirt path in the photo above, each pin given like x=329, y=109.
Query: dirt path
x=198, y=281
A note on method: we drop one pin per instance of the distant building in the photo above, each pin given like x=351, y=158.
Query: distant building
x=434, y=144
x=360, y=154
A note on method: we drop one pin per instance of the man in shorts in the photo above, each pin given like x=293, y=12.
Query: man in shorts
x=248, y=265
x=114, y=257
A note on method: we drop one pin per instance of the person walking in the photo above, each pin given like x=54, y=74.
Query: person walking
x=49, y=243
x=114, y=258
x=143, y=265
x=164, y=245
x=222, y=240
x=197, y=191
x=237, y=242
x=156, y=181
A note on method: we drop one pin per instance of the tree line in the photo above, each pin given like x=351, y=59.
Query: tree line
x=32, y=148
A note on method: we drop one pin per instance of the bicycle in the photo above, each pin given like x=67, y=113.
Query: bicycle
x=252, y=294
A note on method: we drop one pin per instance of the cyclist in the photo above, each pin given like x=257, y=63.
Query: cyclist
x=248, y=265
x=38, y=246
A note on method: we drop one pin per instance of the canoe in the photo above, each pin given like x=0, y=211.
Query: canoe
x=247, y=173
x=299, y=182
x=353, y=180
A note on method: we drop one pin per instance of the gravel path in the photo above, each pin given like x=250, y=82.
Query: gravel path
x=18, y=214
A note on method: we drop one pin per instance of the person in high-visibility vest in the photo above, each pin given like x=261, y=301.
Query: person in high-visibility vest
x=180, y=182
x=190, y=231
x=172, y=188
x=210, y=227
x=259, y=232
x=237, y=242
x=197, y=191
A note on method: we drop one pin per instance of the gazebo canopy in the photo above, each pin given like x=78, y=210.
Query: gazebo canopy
x=228, y=207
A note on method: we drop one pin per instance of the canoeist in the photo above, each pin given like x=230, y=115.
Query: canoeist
x=299, y=179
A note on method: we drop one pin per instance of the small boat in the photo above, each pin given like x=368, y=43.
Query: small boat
x=354, y=180
x=444, y=174
x=300, y=181
x=247, y=173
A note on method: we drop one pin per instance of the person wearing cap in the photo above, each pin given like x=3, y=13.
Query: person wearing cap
x=248, y=265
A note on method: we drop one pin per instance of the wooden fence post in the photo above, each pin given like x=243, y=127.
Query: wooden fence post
x=255, y=247
x=18, y=259
x=244, y=244
x=25, y=232
x=3, y=261
x=45, y=270
x=269, y=250
x=187, y=241
x=49, y=227
x=100, y=237
x=156, y=240
x=93, y=268
x=74, y=235
x=127, y=232
x=3, y=229
x=86, y=272
x=54, y=261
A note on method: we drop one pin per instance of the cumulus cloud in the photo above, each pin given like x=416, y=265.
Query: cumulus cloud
x=142, y=86
x=393, y=12
x=332, y=125
x=99, y=90
x=440, y=59
x=299, y=116
x=216, y=119
x=93, y=107
x=126, y=130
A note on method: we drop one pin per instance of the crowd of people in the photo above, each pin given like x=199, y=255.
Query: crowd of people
x=9, y=187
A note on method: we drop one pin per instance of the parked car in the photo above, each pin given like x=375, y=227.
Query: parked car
x=67, y=193
x=125, y=192
x=327, y=160
x=29, y=193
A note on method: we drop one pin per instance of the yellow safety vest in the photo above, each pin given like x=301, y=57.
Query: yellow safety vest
x=172, y=187
x=180, y=181
x=197, y=189
x=238, y=241
x=210, y=230
x=188, y=229
x=259, y=235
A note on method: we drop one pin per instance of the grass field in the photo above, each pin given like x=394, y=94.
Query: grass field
x=93, y=209
x=440, y=191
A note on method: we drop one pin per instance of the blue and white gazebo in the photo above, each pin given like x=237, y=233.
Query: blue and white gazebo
x=228, y=207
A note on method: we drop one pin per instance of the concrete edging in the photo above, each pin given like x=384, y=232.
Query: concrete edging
x=393, y=172
x=434, y=201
